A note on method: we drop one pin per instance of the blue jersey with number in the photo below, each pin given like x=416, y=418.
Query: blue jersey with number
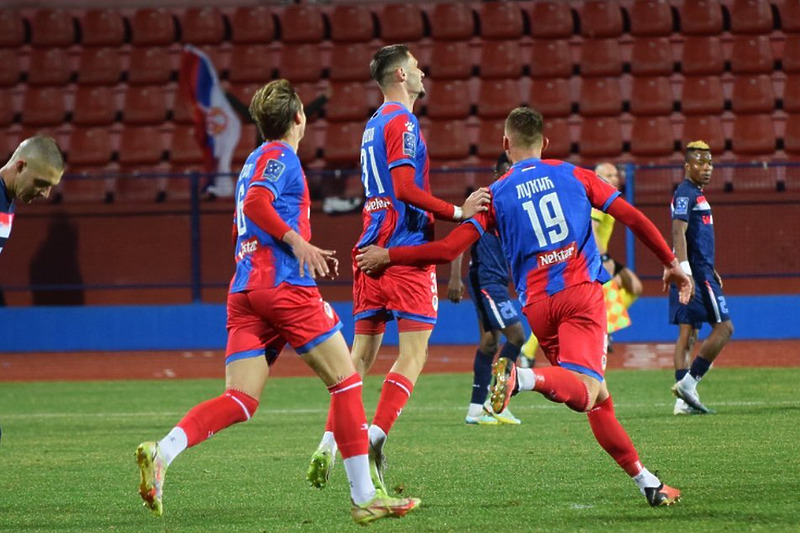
x=6, y=214
x=392, y=138
x=542, y=212
x=487, y=260
x=263, y=261
x=690, y=205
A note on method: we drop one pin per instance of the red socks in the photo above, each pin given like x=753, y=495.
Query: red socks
x=613, y=438
x=346, y=417
x=394, y=395
x=561, y=386
x=216, y=414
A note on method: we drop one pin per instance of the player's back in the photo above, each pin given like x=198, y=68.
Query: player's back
x=392, y=138
x=542, y=213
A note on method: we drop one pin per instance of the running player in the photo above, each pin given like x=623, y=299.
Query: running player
x=34, y=169
x=399, y=210
x=488, y=288
x=541, y=210
x=273, y=300
x=693, y=242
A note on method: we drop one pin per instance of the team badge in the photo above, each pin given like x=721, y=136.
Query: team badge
x=681, y=205
x=409, y=144
x=410, y=126
x=273, y=170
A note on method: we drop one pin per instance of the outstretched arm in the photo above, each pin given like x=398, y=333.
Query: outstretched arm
x=407, y=191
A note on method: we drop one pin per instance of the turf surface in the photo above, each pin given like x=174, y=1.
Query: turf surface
x=66, y=459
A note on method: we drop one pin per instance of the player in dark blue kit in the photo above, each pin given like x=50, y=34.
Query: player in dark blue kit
x=693, y=242
x=488, y=287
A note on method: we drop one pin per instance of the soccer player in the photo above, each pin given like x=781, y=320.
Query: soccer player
x=488, y=288
x=541, y=209
x=693, y=242
x=35, y=167
x=273, y=300
x=399, y=210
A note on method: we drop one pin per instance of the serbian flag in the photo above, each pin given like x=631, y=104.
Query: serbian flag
x=217, y=127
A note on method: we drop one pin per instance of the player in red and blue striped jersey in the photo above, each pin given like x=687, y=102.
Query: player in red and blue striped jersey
x=693, y=241
x=273, y=300
x=34, y=169
x=541, y=210
x=399, y=210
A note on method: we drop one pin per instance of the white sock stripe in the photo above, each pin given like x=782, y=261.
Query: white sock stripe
x=408, y=392
x=237, y=400
x=713, y=301
x=354, y=385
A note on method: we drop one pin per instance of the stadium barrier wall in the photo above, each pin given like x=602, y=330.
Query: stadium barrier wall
x=202, y=326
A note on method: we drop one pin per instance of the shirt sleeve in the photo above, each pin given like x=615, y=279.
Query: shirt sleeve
x=600, y=193
x=274, y=170
x=401, y=135
x=682, y=205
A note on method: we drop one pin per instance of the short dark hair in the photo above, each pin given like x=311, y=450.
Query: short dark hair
x=273, y=108
x=525, y=125
x=386, y=60
x=696, y=146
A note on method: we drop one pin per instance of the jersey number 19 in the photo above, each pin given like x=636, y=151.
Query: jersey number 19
x=548, y=221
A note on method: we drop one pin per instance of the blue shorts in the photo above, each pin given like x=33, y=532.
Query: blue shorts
x=708, y=305
x=496, y=309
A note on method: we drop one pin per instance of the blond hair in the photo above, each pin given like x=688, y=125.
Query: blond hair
x=274, y=107
x=696, y=146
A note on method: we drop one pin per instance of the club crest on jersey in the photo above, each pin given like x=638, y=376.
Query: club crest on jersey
x=410, y=126
x=681, y=205
x=409, y=144
x=273, y=170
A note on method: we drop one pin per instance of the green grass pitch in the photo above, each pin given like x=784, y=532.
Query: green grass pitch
x=66, y=459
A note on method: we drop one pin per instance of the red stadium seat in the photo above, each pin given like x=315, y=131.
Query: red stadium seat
x=185, y=151
x=600, y=97
x=348, y=102
x=102, y=27
x=550, y=59
x=43, y=106
x=601, y=19
x=140, y=146
x=451, y=21
x=400, y=23
x=551, y=20
x=551, y=97
x=790, y=15
x=89, y=147
x=302, y=24
x=707, y=128
x=447, y=140
x=351, y=24
x=152, y=27
x=500, y=59
x=753, y=94
x=652, y=137
x=651, y=18
x=6, y=115
x=250, y=64
x=448, y=99
x=350, y=62
x=49, y=67
x=791, y=137
x=702, y=95
x=99, y=66
x=246, y=144
x=600, y=138
x=144, y=105
x=559, y=144
x=791, y=94
x=500, y=20
x=252, y=25
x=9, y=68
x=12, y=28
x=308, y=149
x=496, y=98
x=342, y=142
x=751, y=16
x=300, y=63
x=94, y=106
x=702, y=56
x=651, y=96
x=753, y=135
x=52, y=27
x=490, y=138
x=202, y=25
x=752, y=54
x=150, y=66
x=701, y=17
x=242, y=91
x=791, y=54
x=600, y=57
x=652, y=57
x=450, y=60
